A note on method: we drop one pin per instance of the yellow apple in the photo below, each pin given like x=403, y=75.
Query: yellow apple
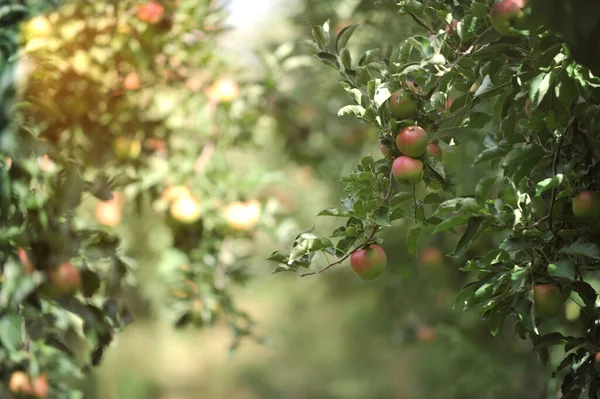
x=242, y=216
x=109, y=212
x=185, y=209
x=224, y=90
x=37, y=28
x=175, y=192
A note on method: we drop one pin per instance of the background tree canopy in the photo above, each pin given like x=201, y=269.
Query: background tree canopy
x=378, y=199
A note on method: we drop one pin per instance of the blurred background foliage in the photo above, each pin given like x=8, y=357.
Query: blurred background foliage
x=280, y=142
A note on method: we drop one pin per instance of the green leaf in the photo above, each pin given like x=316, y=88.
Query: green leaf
x=346, y=58
x=547, y=184
x=412, y=238
x=334, y=212
x=449, y=223
x=368, y=57
x=471, y=234
x=355, y=110
x=562, y=268
x=437, y=166
x=551, y=339
x=539, y=88
x=484, y=188
x=308, y=243
x=321, y=36
x=514, y=244
x=582, y=247
x=497, y=317
x=382, y=216
x=489, y=154
x=400, y=197
x=464, y=295
x=10, y=332
x=344, y=36
x=566, y=91
x=433, y=199
x=587, y=293
x=279, y=257
x=329, y=59
x=382, y=93
x=468, y=205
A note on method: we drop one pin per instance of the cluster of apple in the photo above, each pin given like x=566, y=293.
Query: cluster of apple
x=412, y=142
x=185, y=208
x=23, y=385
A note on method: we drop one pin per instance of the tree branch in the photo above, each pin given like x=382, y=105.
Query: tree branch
x=366, y=242
x=554, y=170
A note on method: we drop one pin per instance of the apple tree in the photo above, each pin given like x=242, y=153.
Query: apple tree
x=115, y=112
x=511, y=81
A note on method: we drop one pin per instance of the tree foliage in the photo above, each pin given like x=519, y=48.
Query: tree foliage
x=536, y=103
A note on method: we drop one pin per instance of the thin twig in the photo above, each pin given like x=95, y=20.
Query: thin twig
x=418, y=21
x=389, y=190
x=204, y=157
x=331, y=264
x=554, y=170
x=366, y=242
x=536, y=224
x=415, y=201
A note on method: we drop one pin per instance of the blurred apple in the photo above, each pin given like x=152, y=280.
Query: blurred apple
x=109, y=212
x=37, y=28
x=224, y=90
x=39, y=387
x=425, y=334
x=131, y=81
x=19, y=383
x=25, y=262
x=127, y=149
x=62, y=280
x=175, y=192
x=242, y=216
x=151, y=12
x=431, y=257
x=185, y=209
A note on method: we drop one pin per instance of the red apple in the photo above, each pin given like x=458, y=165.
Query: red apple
x=586, y=206
x=505, y=14
x=407, y=170
x=431, y=257
x=450, y=27
x=151, y=12
x=434, y=151
x=412, y=141
x=132, y=81
x=39, y=387
x=403, y=104
x=368, y=263
x=25, y=262
x=597, y=362
x=384, y=148
x=547, y=300
x=527, y=107
x=425, y=334
x=64, y=280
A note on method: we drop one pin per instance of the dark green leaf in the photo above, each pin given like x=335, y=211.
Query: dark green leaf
x=582, y=247
x=563, y=268
x=412, y=238
x=344, y=36
x=471, y=234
